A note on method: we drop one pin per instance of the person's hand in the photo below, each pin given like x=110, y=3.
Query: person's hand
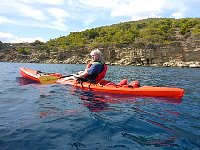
x=80, y=72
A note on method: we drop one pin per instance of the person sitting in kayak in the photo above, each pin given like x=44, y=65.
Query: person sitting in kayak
x=95, y=71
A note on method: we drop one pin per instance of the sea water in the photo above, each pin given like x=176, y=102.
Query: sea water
x=38, y=117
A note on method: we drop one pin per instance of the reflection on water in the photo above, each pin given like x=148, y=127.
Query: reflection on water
x=93, y=102
x=98, y=101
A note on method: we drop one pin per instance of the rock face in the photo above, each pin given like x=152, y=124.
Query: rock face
x=182, y=53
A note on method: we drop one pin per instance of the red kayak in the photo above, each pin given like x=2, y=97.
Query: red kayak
x=104, y=85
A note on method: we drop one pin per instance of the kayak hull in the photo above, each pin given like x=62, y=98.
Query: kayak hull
x=148, y=91
x=145, y=91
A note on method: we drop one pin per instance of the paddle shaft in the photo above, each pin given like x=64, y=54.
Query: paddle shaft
x=66, y=76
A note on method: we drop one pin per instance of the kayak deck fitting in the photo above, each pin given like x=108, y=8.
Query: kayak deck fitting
x=107, y=87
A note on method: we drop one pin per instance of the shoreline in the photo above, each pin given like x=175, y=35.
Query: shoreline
x=179, y=64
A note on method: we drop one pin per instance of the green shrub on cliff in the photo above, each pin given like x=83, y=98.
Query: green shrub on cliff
x=196, y=31
x=23, y=50
x=156, y=31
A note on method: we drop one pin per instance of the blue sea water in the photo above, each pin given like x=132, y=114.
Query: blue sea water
x=38, y=117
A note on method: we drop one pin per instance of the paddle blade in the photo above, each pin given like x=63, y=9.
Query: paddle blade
x=48, y=79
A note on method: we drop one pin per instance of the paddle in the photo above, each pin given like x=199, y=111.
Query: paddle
x=50, y=79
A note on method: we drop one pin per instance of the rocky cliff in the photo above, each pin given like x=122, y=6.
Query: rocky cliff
x=184, y=52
